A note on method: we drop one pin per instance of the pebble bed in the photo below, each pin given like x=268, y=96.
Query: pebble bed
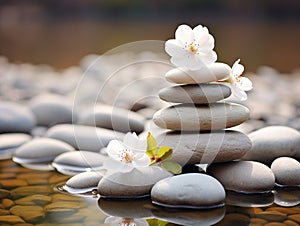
x=39, y=102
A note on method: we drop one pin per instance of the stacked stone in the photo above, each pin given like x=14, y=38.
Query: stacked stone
x=196, y=123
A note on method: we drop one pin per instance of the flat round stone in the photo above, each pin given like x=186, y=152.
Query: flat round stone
x=83, y=182
x=136, y=183
x=193, y=190
x=51, y=109
x=190, y=117
x=81, y=137
x=243, y=176
x=40, y=150
x=273, y=142
x=205, y=148
x=76, y=162
x=195, y=93
x=211, y=73
x=286, y=171
x=114, y=118
x=15, y=118
x=9, y=142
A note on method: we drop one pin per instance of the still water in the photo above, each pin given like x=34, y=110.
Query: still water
x=36, y=198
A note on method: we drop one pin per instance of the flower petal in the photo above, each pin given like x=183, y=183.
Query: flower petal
x=111, y=219
x=141, y=160
x=238, y=92
x=180, y=61
x=132, y=141
x=112, y=166
x=140, y=222
x=246, y=84
x=184, y=34
x=114, y=148
x=237, y=69
x=174, y=48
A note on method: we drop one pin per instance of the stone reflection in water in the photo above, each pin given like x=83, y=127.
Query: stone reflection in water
x=287, y=197
x=249, y=200
x=138, y=210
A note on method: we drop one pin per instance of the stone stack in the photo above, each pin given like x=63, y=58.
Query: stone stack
x=196, y=126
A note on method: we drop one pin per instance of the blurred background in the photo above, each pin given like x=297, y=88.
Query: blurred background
x=60, y=33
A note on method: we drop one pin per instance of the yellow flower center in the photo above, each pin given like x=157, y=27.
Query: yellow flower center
x=193, y=48
x=125, y=156
x=127, y=222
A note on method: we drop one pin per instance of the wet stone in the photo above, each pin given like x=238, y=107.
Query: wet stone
x=30, y=190
x=39, y=200
x=295, y=217
x=192, y=190
x=7, y=203
x=272, y=216
x=72, y=163
x=234, y=219
x=243, y=176
x=28, y=213
x=10, y=183
x=286, y=171
x=64, y=205
x=4, y=193
x=40, y=150
x=290, y=223
x=83, y=182
x=11, y=219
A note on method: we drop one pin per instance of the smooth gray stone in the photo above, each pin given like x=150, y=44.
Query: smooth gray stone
x=286, y=171
x=114, y=118
x=211, y=73
x=190, y=117
x=40, y=150
x=51, y=109
x=273, y=142
x=84, y=137
x=83, y=182
x=15, y=118
x=243, y=176
x=76, y=162
x=197, y=93
x=9, y=142
x=205, y=148
x=193, y=190
x=136, y=183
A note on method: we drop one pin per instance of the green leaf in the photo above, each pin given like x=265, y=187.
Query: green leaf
x=172, y=167
x=151, y=146
x=164, y=152
x=156, y=222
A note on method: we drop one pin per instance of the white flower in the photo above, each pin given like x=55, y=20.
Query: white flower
x=237, y=83
x=126, y=155
x=191, y=48
x=118, y=221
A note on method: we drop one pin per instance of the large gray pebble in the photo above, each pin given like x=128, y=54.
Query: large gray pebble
x=78, y=161
x=286, y=171
x=51, y=109
x=15, y=118
x=84, y=137
x=41, y=150
x=9, y=143
x=114, y=118
x=272, y=142
x=84, y=182
x=192, y=190
x=205, y=148
x=198, y=93
x=190, y=117
x=136, y=183
x=243, y=176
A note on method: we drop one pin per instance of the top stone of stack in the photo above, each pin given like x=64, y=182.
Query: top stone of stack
x=210, y=73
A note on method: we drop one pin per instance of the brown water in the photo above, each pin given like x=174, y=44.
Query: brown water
x=33, y=197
